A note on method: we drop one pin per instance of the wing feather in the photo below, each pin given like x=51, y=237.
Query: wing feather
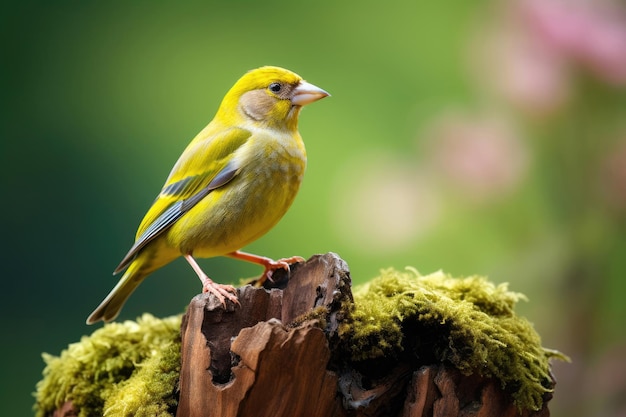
x=191, y=179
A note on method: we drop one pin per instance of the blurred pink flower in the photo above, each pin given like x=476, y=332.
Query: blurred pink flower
x=591, y=33
x=482, y=157
x=512, y=63
x=527, y=51
x=383, y=203
x=526, y=73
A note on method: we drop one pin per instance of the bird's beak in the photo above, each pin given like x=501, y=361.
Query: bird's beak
x=306, y=93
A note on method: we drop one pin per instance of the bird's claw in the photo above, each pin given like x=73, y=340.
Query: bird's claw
x=221, y=291
x=283, y=263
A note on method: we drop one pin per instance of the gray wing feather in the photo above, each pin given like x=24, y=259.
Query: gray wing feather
x=176, y=211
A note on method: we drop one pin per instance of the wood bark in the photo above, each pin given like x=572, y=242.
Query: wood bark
x=276, y=355
x=268, y=369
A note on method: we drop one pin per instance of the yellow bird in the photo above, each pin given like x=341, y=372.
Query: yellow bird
x=231, y=185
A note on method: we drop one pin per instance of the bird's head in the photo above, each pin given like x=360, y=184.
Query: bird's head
x=271, y=96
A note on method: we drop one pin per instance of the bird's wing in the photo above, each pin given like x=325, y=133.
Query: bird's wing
x=204, y=166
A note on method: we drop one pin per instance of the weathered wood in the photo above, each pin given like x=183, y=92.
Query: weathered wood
x=275, y=356
x=442, y=391
x=268, y=367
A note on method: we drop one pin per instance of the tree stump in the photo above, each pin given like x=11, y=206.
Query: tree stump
x=276, y=355
x=245, y=377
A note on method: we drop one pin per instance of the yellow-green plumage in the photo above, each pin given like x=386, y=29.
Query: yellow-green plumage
x=231, y=185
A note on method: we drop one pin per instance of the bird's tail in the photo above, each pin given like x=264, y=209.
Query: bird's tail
x=110, y=307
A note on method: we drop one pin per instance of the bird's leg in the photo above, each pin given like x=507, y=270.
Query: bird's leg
x=221, y=291
x=269, y=264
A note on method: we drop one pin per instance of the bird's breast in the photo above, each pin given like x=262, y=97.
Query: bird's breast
x=270, y=178
x=272, y=168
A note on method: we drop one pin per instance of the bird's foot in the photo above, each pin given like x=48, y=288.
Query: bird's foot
x=283, y=263
x=270, y=265
x=221, y=291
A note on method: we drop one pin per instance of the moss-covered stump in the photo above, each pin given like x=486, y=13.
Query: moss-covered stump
x=406, y=345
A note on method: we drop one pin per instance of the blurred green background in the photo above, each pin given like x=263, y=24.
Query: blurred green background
x=475, y=137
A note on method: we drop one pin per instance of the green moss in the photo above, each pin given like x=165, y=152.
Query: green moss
x=469, y=323
x=132, y=368
x=122, y=369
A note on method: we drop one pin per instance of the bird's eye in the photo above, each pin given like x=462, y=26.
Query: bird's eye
x=275, y=87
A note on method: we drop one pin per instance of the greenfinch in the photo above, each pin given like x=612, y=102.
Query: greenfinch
x=231, y=185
